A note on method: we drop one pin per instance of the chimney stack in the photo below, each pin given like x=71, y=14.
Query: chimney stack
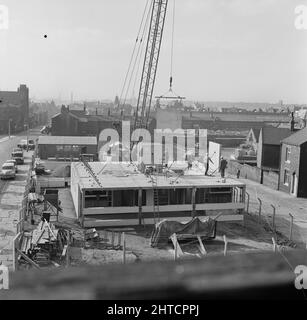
x=292, y=123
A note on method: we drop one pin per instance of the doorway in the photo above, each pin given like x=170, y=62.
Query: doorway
x=294, y=184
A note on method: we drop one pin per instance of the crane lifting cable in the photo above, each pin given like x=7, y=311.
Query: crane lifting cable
x=137, y=41
x=170, y=94
x=138, y=56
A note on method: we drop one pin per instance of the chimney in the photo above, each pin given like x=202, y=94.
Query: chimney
x=84, y=107
x=96, y=111
x=292, y=123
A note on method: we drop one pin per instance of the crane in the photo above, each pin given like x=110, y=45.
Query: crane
x=150, y=65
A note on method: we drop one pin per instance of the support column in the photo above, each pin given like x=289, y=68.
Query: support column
x=140, y=206
x=193, y=202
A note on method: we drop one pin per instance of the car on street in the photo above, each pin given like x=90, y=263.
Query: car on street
x=18, y=156
x=22, y=144
x=14, y=162
x=8, y=171
x=31, y=144
x=17, y=150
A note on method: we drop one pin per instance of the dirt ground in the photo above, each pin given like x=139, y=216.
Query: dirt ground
x=252, y=236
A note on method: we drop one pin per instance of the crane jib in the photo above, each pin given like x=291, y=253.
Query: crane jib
x=150, y=65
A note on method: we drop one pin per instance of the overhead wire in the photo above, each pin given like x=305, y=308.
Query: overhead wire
x=133, y=51
x=138, y=55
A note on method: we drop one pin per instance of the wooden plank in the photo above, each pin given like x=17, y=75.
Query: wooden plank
x=28, y=259
x=134, y=222
x=201, y=246
x=177, y=247
x=64, y=250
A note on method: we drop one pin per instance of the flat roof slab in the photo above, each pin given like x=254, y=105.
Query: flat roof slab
x=126, y=176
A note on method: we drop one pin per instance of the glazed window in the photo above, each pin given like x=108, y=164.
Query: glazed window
x=288, y=153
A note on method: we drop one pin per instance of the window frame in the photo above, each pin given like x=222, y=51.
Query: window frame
x=286, y=174
x=288, y=154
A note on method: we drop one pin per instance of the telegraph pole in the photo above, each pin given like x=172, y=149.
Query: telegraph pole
x=10, y=128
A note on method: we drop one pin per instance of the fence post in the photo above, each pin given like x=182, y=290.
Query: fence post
x=247, y=205
x=291, y=226
x=274, y=212
x=274, y=244
x=225, y=245
x=260, y=206
x=124, y=248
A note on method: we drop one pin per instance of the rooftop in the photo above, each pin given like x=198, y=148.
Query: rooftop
x=274, y=136
x=67, y=140
x=124, y=175
x=297, y=138
x=256, y=132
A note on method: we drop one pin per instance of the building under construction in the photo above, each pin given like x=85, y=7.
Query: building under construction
x=117, y=194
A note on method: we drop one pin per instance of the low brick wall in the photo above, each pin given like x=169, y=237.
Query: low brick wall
x=270, y=179
x=246, y=171
x=12, y=210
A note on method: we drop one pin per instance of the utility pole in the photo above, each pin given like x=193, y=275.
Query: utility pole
x=10, y=128
x=27, y=125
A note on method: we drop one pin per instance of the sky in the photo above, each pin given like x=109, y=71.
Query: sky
x=224, y=50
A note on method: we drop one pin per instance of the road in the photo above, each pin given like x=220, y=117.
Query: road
x=7, y=145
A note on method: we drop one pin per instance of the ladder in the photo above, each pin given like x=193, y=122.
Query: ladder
x=155, y=190
x=92, y=173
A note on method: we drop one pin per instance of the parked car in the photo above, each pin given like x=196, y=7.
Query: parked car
x=8, y=171
x=18, y=156
x=17, y=150
x=22, y=144
x=14, y=162
x=31, y=144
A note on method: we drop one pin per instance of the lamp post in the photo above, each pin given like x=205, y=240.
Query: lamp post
x=10, y=128
x=27, y=126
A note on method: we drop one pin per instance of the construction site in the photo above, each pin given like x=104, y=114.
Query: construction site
x=78, y=204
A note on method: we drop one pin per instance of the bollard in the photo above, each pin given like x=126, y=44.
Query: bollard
x=260, y=206
x=274, y=212
x=247, y=205
x=291, y=226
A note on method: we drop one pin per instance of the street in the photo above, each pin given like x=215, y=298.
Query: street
x=7, y=145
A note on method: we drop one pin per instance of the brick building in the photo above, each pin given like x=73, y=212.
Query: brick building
x=65, y=147
x=14, y=106
x=269, y=145
x=293, y=164
x=79, y=123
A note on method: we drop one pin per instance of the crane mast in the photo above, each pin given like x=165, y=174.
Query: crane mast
x=150, y=64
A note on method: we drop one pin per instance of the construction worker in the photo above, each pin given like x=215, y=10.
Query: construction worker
x=223, y=166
